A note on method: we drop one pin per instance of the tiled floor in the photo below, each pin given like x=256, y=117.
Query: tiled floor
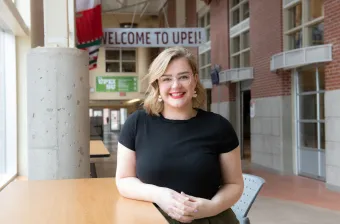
x=283, y=199
x=297, y=188
x=274, y=211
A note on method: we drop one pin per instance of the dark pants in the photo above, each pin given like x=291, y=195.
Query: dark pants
x=226, y=217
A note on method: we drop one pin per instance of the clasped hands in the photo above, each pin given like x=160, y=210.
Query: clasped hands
x=182, y=207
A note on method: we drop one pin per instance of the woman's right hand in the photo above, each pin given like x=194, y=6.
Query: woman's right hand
x=176, y=205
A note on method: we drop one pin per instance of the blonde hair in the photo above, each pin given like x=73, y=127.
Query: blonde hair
x=157, y=68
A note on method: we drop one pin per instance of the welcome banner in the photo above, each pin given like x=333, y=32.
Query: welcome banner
x=154, y=37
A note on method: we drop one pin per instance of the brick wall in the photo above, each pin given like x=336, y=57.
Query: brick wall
x=171, y=13
x=266, y=39
x=190, y=12
x=331, y=35
x=219, y=35
x=161, y=18
x=191, y=20
x=169, y=18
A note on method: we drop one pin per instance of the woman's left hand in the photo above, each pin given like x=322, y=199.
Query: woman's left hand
x=202, y=207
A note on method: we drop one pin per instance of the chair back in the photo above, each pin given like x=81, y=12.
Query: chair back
x=252, y=186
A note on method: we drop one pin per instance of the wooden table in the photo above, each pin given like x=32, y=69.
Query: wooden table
x=82, y=201
x=97, y=150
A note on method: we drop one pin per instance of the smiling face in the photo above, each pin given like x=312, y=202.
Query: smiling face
x=177, y=84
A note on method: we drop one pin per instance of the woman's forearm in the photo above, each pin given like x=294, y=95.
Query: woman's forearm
x=133, y=188
x=226, y=197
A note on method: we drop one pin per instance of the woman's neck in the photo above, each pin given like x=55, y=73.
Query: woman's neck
x=179, y=113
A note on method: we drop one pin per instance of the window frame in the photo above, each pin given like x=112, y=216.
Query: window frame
x=205, y=14
x=318, y=152
x=95, y=111
x=121, y=61
x=304, y=27
x=204, y=66
x=241, y=52
x=2, y=109
x=240, y=8
x=206, y=24
x=318, y=120
x=9, y=102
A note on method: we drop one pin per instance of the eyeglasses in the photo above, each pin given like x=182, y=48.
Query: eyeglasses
x=169, y=80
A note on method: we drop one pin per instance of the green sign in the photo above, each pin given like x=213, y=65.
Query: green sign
x=116, y=83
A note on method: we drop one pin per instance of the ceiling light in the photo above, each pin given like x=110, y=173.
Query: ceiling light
x=132, y=101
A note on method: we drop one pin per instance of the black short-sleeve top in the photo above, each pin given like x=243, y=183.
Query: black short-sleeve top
x=182, y=155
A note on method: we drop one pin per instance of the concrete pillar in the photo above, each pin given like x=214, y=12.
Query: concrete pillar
x=58, y=99
x=58, y=117
x=143, y=66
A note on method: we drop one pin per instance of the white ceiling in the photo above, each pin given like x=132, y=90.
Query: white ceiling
x=147, y=7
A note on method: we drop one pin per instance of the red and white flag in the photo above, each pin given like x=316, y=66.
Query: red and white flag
x=89, y=28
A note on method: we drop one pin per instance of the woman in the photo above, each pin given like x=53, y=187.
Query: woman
x=172, y=153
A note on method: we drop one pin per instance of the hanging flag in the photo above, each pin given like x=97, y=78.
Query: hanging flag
x=93, y=53
x=89, y=28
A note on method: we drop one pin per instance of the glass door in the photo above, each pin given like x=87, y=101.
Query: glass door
x=115, y=122
x=310, y=122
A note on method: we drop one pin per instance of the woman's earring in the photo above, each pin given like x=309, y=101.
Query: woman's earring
x=195, y=94
x=160, y=98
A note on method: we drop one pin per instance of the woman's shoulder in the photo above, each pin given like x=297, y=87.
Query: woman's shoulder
x=213, y=116
x=216, y=120
x=140, y=115
x=136, y=115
